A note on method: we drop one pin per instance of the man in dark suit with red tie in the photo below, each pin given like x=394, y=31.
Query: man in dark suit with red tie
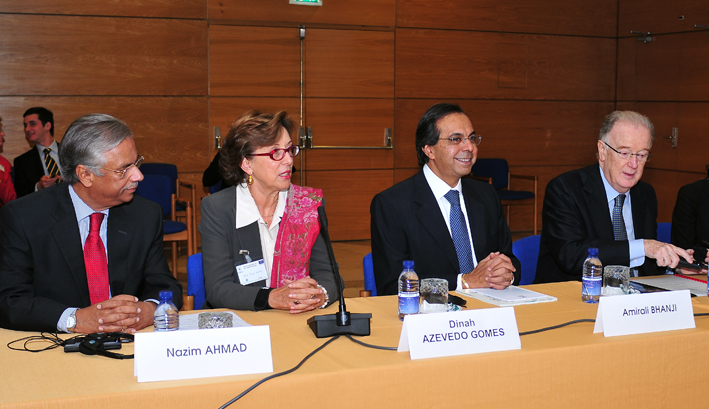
x=86, y=255
x=451, y=226
x=39, y=167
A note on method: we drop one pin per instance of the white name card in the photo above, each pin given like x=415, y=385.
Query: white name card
x=642, y=313
x=459, y=333
x=163, y=356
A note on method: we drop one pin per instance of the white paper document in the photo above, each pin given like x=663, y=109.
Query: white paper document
x=672, y=283
x=511, y=295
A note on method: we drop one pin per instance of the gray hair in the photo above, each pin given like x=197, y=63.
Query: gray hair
x=86, y=142
x=625, y=116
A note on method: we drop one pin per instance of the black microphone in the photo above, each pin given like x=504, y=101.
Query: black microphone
x=341, y=322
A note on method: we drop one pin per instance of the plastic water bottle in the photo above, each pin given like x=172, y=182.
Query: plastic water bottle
x=167, y=317
x=408, y=290
x=592, y=277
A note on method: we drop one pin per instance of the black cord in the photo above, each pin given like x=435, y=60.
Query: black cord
x=252, y=387
x=556, y=326
x=45, y=337
x=370, y=345
x=701, y=314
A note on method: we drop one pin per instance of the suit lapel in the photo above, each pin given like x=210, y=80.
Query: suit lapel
x=120, y=234
x=65, y=230
x=595, y=195
x=474, y=210
x=637, y=201
x=430, y=217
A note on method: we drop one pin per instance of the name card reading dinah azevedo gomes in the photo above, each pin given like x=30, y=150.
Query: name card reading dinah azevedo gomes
x=642, y=313
x=459, y=333
x=163, y=356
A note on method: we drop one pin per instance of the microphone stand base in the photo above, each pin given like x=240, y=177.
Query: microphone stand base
x=325, y=326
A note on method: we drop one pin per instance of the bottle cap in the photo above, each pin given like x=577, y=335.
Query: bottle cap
x=593, y=251
x=408, y=264
x=165, y=295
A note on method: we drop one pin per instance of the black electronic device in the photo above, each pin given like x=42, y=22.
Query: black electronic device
x=342, y=322
x=99, y=344
x=699, y=265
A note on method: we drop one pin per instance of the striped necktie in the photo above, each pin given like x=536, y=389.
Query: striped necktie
x=459, y=233
x=619, y=231
x=52, y=167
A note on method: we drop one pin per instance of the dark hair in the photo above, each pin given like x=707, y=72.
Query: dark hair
x=427, y=132
x=250, y=131
x=44, y=116
x=86, y=142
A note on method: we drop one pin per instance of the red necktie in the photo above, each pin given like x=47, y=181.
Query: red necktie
x=95, y=260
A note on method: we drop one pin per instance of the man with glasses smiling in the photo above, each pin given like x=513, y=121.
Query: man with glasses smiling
x=86, y=255
x=451, y=226
x=606, y=206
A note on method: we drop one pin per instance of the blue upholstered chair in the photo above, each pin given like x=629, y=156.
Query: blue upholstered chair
x=527, y=251
x=368, y=269
x=196, y=293
x=497, y=173
x=170, y=170
x=664, y=232
x=216, y=187
x=158, y=189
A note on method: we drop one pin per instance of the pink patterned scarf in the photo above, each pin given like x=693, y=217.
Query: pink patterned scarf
x=297, y=233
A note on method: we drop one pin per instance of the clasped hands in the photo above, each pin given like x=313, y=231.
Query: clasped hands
x=297, y=296
x=122, y=313
x=495, y=271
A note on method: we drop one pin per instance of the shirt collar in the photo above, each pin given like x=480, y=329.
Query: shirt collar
x=81, y=209
x=53, y=146
x=247, y=211
x=438, y=186
x=611, y=193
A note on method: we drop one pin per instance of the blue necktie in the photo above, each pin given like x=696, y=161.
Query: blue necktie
x=619, y=231
x=459, y=233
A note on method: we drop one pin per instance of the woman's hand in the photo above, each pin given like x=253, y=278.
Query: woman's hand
x=297, y=296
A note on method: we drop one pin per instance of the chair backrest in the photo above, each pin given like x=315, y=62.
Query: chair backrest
x=195, y=280
x=216, y=187
x=527, y=251
x=496, y=169
x=156, y=188
x=664, y=232
x=368, y=269
x=165, y=169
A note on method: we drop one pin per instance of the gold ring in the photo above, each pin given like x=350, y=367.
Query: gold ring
x=296, y=302
x=124, y=329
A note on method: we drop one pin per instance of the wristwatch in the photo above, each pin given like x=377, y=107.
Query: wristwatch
x=71, y=322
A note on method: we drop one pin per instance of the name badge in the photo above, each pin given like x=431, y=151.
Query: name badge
x=163, y=356
x=642, y=313
x=459, y=333
x=252, y=272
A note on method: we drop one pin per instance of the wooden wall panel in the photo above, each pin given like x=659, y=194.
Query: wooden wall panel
x=666, y=186
x=51, y=55
x=660, y=16
x=349, y=121
x=694, y=78
x=663, y=116
x=254, y=61
x=625, y=90
x=348, y=12
x=349, y=63
x=542, y=132
x=576, y=17
x=693, y=138
x=129, y=8
x=458, y=64
x=172, y=130
x=348, y=195
x=657, y=69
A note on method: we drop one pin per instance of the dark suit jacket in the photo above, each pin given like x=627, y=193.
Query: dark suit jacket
x=690, y=218
x=221, y=242
x=576, y=216
x=42, y=268
x=29, y=169
x=407, y=224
